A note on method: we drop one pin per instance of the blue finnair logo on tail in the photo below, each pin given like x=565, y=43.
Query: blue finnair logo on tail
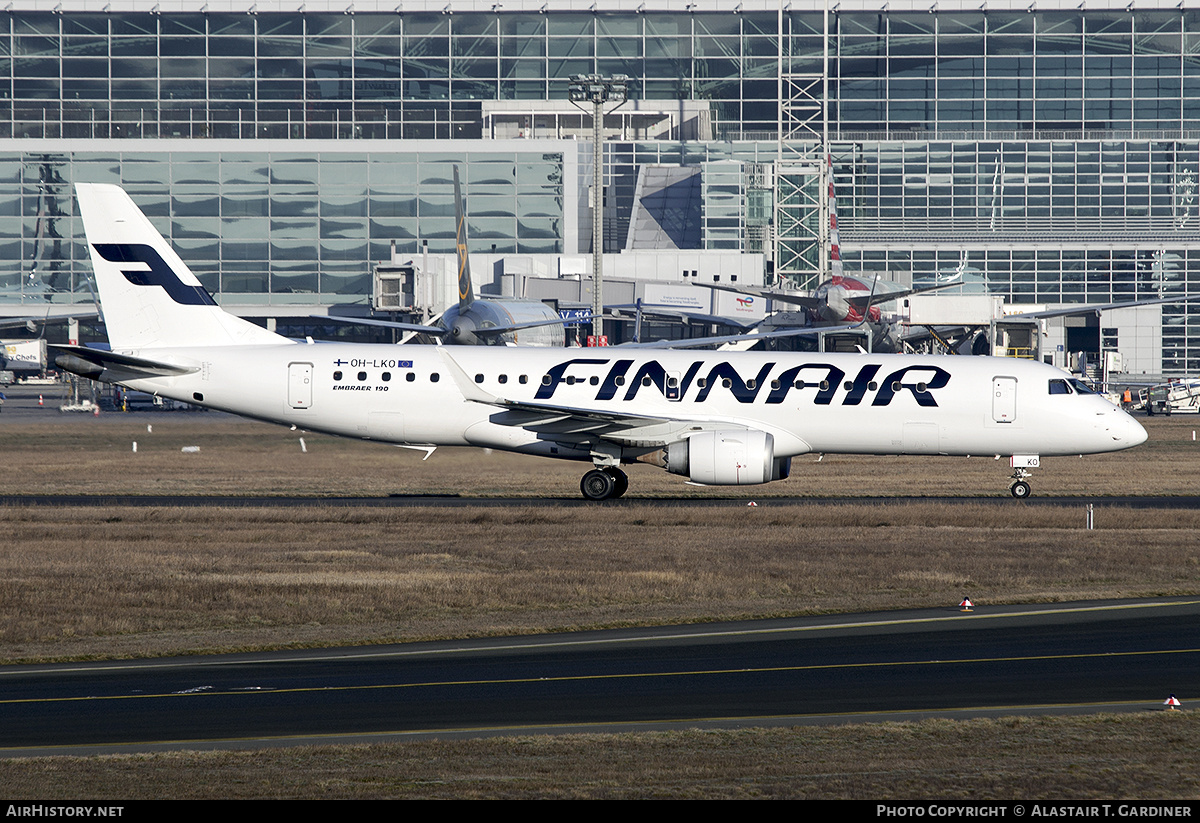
x=159, y=274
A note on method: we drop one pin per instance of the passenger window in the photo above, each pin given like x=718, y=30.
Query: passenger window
x=503, y=378
x=387, y=375
x=433, y=378
x=362, y=375
x=410, y=377
x=337, y=375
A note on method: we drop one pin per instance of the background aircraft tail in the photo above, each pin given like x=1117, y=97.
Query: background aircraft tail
x=466, y=292
x=835, y=243
x=149, y=297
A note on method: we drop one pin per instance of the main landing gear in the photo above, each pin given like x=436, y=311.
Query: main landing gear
x=604, y=483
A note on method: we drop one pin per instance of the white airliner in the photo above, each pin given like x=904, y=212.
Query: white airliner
x=717, y=418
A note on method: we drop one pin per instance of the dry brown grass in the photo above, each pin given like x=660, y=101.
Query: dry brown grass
x=1103, y=758
x=82, y=582
x=95, y=457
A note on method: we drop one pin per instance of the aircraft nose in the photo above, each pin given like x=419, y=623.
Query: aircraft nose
x=1137, y=433
x=1125, y=430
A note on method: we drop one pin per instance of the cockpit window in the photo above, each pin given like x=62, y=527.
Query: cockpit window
x=1070, y=385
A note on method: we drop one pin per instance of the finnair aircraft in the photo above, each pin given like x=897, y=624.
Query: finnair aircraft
x=717, y=418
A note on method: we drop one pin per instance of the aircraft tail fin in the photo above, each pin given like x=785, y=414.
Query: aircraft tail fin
x=149, y=297
x=835, y=243
x=466, y=292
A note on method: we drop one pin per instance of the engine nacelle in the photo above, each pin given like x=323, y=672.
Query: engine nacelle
x=727, y=458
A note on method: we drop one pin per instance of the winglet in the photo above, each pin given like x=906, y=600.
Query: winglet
x=469, y=388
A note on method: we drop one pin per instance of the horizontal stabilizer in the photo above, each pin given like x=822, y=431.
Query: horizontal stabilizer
x=110, y=367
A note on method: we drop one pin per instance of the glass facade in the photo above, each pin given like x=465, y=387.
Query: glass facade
x=1055, y=152
x=275, y=227
x=382, y=75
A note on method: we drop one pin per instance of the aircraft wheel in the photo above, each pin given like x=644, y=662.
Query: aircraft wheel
x=620, y=478
x=1020, y=490
x=598, y=485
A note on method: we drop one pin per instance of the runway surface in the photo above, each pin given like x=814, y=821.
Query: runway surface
x=463, y=501
x=1063, y=658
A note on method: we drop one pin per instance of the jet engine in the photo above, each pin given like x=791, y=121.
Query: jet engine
x=724, y=458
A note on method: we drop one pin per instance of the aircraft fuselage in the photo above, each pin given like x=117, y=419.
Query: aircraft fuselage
x=835, y=403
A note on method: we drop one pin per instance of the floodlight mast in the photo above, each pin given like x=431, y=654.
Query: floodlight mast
x=598, y=90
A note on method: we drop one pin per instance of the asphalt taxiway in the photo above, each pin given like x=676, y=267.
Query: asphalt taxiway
x=1060, y=658
x=575, y=501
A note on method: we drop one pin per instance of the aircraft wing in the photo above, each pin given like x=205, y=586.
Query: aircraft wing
x=110, y=367
x=693, y=342
x=794, y=298
x=488, y=331
x=1093, y=308
x=575, y=423
x=568, y=420
x=664, y=310
x=384, y=324
x=40, y=319
x=583, y=425
x=876, y=298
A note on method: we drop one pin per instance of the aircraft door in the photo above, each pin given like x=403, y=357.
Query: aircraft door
x=672, y=388
x=1004, y=399
x=300, y=385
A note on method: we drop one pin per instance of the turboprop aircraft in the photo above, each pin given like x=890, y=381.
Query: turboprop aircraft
x=483, y=321
x=717, y=418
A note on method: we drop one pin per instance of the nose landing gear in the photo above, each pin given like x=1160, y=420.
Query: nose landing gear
x=1019, y=488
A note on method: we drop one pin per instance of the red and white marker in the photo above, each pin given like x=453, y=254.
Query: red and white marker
x=752, y=504
x=40, y=403
x=1172, y=703
x=967, y=605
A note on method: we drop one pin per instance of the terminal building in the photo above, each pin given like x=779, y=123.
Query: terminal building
x=1048, y=152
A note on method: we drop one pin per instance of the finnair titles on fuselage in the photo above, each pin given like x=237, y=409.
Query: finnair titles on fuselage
x=720, y=418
